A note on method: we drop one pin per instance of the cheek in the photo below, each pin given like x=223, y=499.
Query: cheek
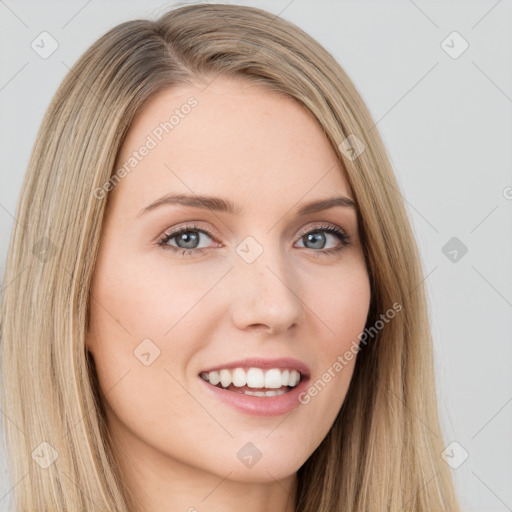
x=147, y=323
x=151, y=300
x=341, y=303
x=144, y=331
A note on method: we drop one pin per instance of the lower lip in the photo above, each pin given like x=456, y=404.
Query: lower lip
x=260, y=405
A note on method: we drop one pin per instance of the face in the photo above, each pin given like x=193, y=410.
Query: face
x=187, y=291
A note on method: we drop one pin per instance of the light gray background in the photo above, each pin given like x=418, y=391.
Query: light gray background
x=447, y=126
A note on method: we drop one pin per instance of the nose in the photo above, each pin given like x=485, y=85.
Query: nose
x=268, y=295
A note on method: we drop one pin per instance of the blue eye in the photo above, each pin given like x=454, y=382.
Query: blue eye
x=317, y=237
x=189, y=238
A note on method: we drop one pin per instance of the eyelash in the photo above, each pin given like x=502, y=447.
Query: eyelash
x=341, y=235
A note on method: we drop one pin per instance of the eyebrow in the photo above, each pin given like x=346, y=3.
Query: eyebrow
x=222, y=205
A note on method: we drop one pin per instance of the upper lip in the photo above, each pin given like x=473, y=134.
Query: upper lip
x=257, y=362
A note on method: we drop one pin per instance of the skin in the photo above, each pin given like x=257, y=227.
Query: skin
x=177, y=446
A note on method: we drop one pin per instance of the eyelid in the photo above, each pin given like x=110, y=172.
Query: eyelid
x=318, y=226
x=172, y=232
x=192, y=227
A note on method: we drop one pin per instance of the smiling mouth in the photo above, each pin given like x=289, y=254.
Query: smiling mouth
x=254, y=381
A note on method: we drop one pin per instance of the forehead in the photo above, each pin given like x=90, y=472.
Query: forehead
x=231, y=139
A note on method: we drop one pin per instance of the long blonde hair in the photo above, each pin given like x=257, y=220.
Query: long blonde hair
x=383, y=452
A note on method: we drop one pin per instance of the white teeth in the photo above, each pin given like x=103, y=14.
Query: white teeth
x=273, y=378
x=255, y=378
x=239, y=377
x=225, y=378
x=214, y=378
x=263, y=393
x=294, y=378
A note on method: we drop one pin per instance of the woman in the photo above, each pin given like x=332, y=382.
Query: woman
x=222, y=289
